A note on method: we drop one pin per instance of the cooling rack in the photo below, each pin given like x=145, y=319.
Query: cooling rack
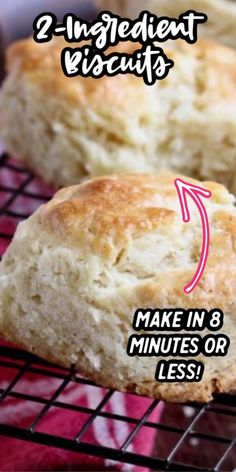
x=189, y=438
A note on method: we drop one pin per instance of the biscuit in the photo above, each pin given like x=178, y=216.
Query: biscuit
x=68, y=129
x=79, y=268
x=221, y=24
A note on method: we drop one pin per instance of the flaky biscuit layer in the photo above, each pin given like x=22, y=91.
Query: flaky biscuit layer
x=79, y=268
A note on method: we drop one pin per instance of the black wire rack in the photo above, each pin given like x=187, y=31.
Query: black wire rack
x=188, y=438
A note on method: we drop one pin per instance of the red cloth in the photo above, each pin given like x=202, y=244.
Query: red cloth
x=20, y=456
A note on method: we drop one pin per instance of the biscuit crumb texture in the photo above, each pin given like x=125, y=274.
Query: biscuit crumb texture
x=69, y=129
x=221, y=14
x=82, y=264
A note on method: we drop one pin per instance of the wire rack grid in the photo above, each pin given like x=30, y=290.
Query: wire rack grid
x=189, y=438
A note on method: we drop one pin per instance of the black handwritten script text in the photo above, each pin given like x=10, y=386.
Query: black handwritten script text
x=162, y=336
x=148, y=60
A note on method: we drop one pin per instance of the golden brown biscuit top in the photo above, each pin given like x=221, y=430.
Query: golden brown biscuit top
x=112, y=205
x=127, y=233
x=42, y=62
x=110, y=210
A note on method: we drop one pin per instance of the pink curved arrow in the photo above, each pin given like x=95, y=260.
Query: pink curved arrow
x=194, y=191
